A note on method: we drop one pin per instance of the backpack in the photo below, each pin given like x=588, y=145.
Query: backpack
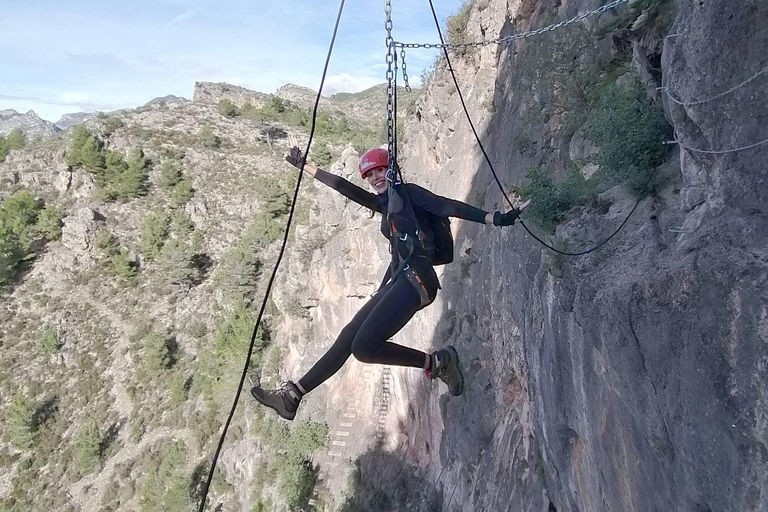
x=442, y=239
x=435, y=237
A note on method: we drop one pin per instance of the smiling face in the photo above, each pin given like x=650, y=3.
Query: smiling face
x=377, y=178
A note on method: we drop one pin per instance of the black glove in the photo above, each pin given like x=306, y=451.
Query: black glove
x=506, y=219
x=295, y=158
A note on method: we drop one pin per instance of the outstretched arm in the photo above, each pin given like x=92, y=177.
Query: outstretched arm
x=445, y=207
x=339, y=184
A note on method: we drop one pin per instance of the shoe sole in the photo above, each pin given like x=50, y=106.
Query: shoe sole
x=455, y=356
x=280, y=412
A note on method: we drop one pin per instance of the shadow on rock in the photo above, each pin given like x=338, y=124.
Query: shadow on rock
x=384, y=482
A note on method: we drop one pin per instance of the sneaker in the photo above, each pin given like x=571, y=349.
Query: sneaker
x=284, y=400
x=446, y=368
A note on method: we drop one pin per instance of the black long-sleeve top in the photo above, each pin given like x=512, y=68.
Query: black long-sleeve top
x=422, y=200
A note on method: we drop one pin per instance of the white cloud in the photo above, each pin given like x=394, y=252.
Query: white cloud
x=344, y=82
x=183, y=16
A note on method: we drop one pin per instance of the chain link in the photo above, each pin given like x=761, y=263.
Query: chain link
x=405, y=70
x=393, y=176
x=514, y=37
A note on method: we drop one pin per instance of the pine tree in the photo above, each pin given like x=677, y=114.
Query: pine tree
x=88, y=448
x=16, y=139
x=49, y=222
x=170, y=174
x=91, y=155
x=154, y=232
x=19, y=417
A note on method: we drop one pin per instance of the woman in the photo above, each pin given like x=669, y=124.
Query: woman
x=393, y=305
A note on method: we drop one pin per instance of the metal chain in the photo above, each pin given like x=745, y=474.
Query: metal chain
x=391, y=177
x=515, y=37
x=405, y=70
x=672, y=98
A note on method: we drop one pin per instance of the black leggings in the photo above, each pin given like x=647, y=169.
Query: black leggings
x=367, y=334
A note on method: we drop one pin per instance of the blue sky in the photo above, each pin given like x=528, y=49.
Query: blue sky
x=60, y=57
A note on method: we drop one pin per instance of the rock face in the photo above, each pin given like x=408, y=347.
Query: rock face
x=632, y=379
x=30, y=124
x=211, y=93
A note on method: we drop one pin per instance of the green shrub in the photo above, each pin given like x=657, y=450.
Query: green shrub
x=111, y=124
x=181, y=224
x=87, y=448
x=122, y=265
x=159, y=352
x=49, y=222
x=228, y=109
x=178, y=260
x=3, y=148
x=18, y=230
x=85, y=150
x=322, y=154
x=121, y=179
x=629, y=132
x=16, y=139
x=106, y=242
x=19, y=420
x=233, y=335
x=239, y=268
x=49, y=342
x=457, y=27
x=179, y=389
x=220, y=363
x=170, y=174
x=166, y=486
x=154, y=232
x=295, y=482
x=295, y=476
x=549, y=203
x=208, y=139
x=182, y=193
x=132, y=182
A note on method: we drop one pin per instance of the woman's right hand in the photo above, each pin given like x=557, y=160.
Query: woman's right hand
x=294, y=156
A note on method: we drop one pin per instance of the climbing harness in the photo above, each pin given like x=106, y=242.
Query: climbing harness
x=204, y=497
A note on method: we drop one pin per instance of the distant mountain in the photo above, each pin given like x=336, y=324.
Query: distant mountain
x=30, y=124
x=167, y=100
x=359, y=106
x=211, y=93
x=69, y=120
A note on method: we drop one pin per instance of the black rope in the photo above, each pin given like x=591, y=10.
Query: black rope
x=274, y=270
x=493, y=171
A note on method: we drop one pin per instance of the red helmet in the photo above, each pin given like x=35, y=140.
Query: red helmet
x=372, y=159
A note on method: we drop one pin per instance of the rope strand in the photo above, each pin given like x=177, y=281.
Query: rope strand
x=274, y=271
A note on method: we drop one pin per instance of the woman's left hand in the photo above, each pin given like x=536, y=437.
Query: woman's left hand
x=509, y=218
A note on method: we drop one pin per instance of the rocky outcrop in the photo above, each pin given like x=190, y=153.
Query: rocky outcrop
x=163, y=101
x=212, y=93
x=30, y=124
x=302, y=96
x=70, y=120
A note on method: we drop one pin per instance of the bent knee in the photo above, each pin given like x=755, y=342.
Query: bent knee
x=364, y=352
